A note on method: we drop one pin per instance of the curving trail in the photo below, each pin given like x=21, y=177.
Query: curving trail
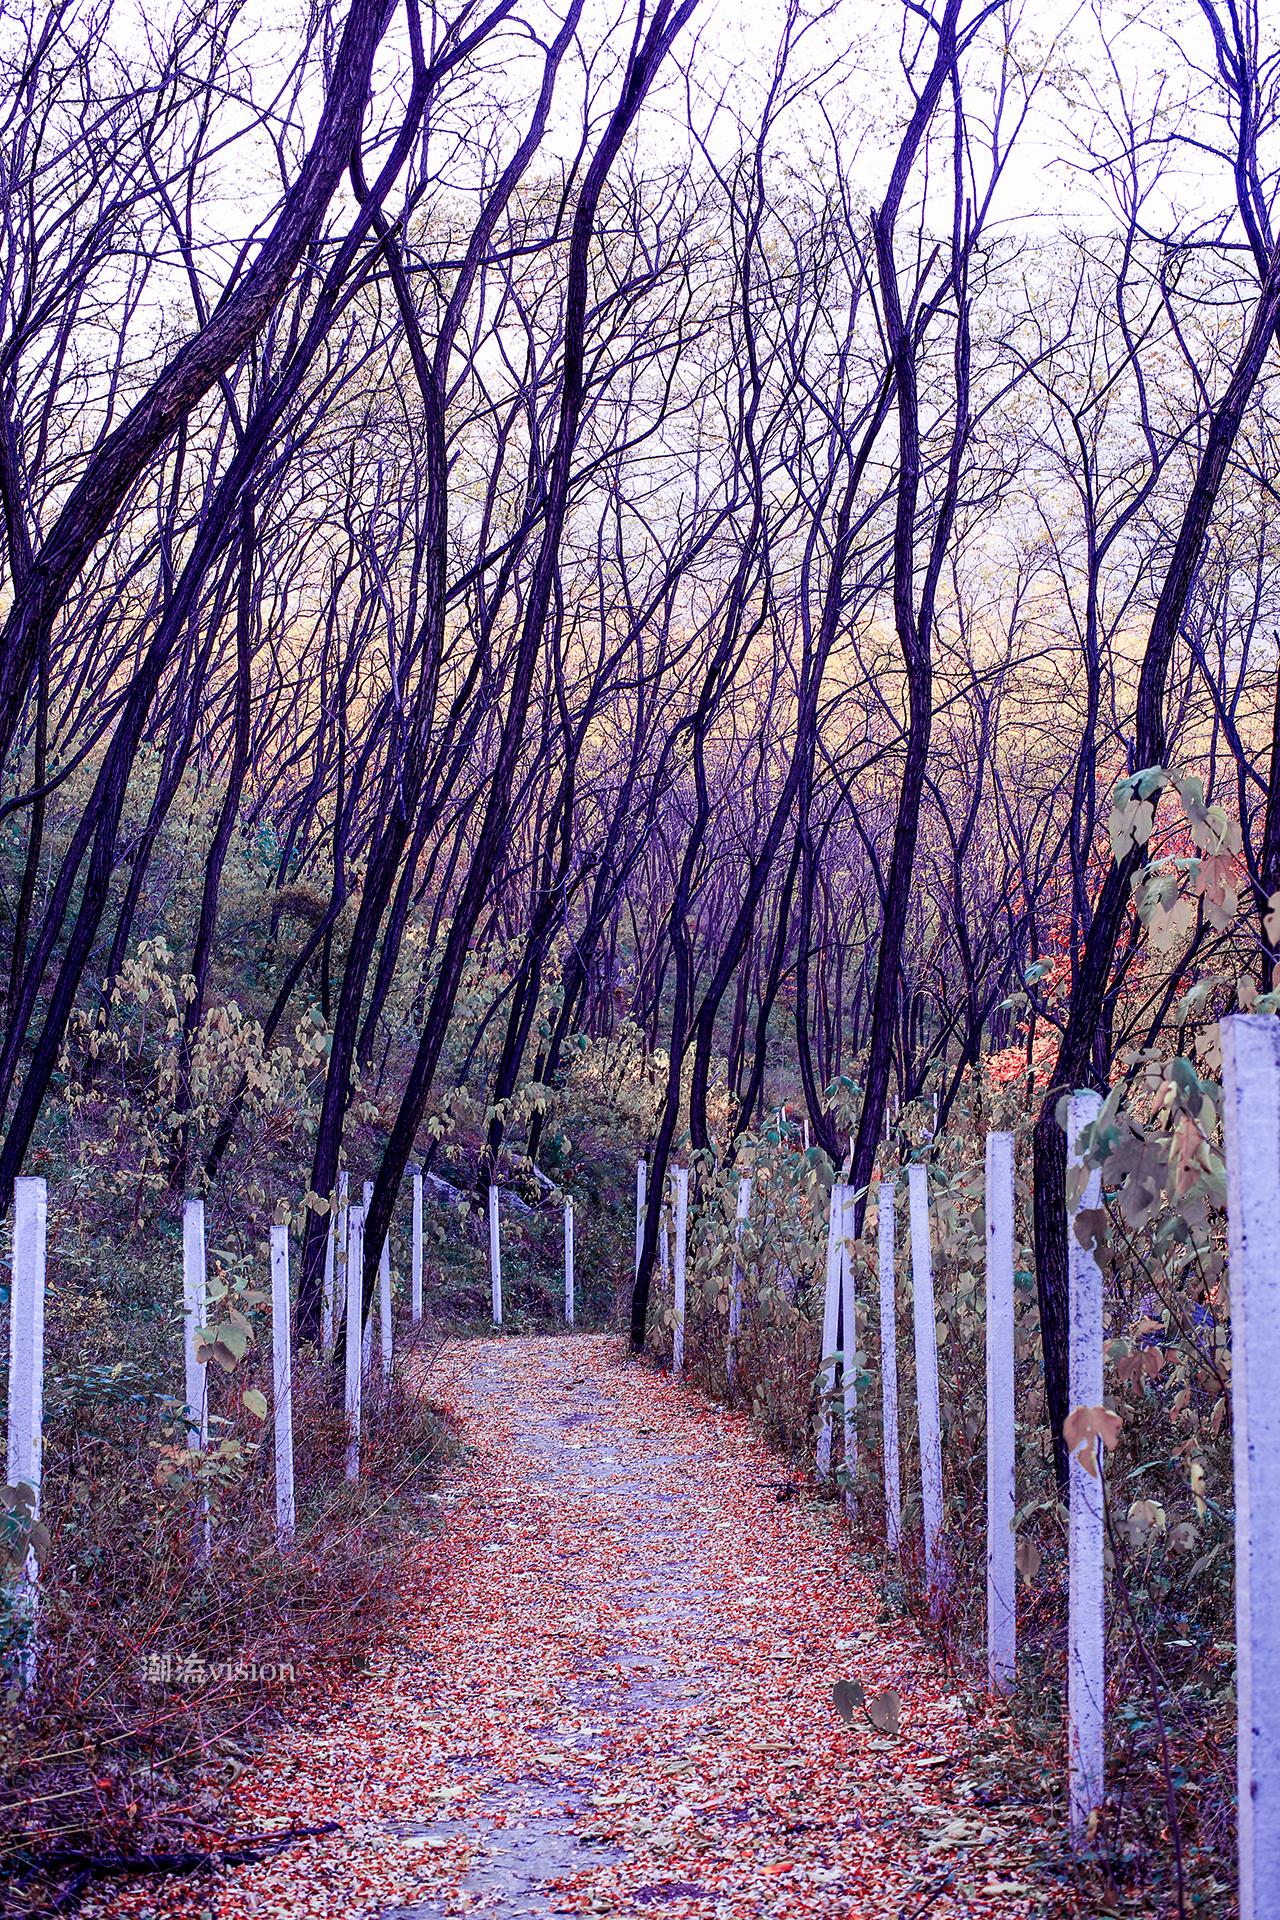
x=610, y=1693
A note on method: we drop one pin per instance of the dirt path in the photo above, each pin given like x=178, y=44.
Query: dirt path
x=611, y=1693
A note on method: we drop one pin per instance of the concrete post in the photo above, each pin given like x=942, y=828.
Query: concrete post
x=1001, y=1481
x=195, y=1371
x=282, y=1387
x=924, y=1318
x=680, y=1176
x=415, y=1269
x=1086, y=1629
x=26, y=1393
x=354, y=1383
x=568, y=1263
x=830, y=1332
x=735, y=1285
x=495, y=1256
x=889, y=1374
x=1251, y=1128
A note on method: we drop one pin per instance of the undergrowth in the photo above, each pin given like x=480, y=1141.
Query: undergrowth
x=158, y=1672
x=1168, y=1829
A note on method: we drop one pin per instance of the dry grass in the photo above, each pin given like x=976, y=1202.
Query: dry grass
x=158, y=1678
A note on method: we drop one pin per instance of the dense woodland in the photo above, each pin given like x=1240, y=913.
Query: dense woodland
x=589, y=580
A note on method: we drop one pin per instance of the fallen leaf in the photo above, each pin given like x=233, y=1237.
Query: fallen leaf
x=846, y=1697
x=885, y=1711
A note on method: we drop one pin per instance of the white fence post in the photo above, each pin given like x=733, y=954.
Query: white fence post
x=642, y=1180
x=849, y=1352
x=355, y=1338
x=680, y=1175
x=1002, y=1504
x=26, y=1387
x=495, y=1255
x=384, y=1300
x=1251, y=1130
x=568, y=1263
x=195, y=1371
x=735, y=1284
x=415, y=1269
x=366, y=1343
x=1086, y=1628
x=786, y=1279
x=924, y=1317
x=889, y=1375
x=830, y=1332
x=335, y=1264
x=327, y=1286
x=664, y=1245
x=384, y=1305
x=282, y=1387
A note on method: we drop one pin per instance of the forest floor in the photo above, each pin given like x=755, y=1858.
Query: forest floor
x=609, y=1691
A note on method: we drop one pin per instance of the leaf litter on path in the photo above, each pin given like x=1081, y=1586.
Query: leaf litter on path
x=621, y=1681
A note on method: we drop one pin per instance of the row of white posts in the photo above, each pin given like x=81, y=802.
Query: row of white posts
x=838, y=1331
x=343, y=1273
x=342, y=1281
x=676, y=1216
x=1251, y=1129
x=495, y=1259
x=1251, y=1049
x=1085, y=1671
x=343, y=1263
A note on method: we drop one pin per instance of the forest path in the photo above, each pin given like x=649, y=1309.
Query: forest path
x=610, y=1692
